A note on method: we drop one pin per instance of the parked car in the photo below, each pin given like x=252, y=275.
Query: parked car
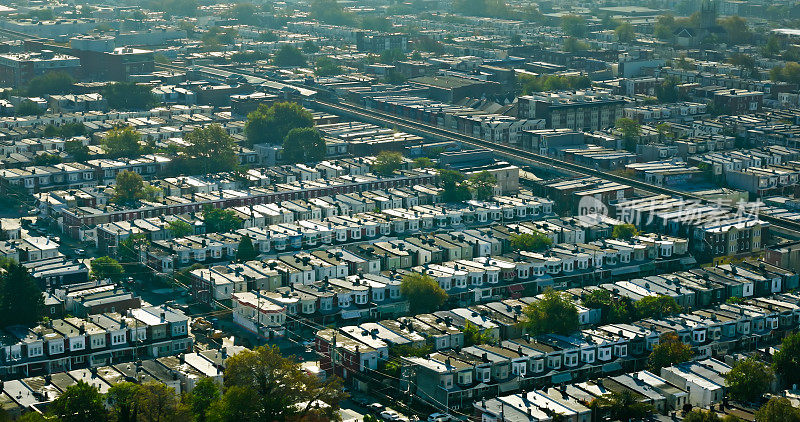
x=376, y=407
x=389, y=415
x=438, y=417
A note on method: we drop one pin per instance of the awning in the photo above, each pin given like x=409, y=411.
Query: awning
x=611, y=367
x=626, y=270
x=689, y=260
x=351, y=314
x=515, y=288
x=562, y=377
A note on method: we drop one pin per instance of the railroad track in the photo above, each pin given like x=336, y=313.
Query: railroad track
x=523, y=156
x=516, y=154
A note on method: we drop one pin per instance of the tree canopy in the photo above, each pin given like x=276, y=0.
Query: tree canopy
x=787, y=359
x=748, y=380
x=50, y=83
x=220, y=220
x=21, y=300
x=482, y=184
x=669, y=351
x=122, y=141
x=387, y=162
x=530, y=242
x=106, y=267
x=622, y=406
x=656, y=307
x=271, y=124
x=271, y=385
x=473, y=335
x=213, y=149
x=129, y=96
x=574, y=25
x=78, y=403
x=288, y=56
x=302, y=145
x=454, y=184
x=128, y=188
x=778, y=409
x=422, y=292
x=553, y=313
x=179, y=228
x=246, y=251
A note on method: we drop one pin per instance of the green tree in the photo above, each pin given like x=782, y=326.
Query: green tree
x=310, y=47
x=79, y=403
x=473, y=335
x=748, y=380
x=391, y=56
x=213, y=147
x=220, y=220
x=50, y=83
x=737, y=29
x=244, y=13
x=624, y=231
x=303, y=145
x=531, y=242
x=280, y=384
x=790, y=72
x=129, y=96
x=553, y=313
x=667, y=91
x=77, y=150
x=455, y=188
x=155, y=402
x=46, y=159
x=742, y=60
x=288, y=56
x=216, y=37
x=631, y=130
x=238, y=404
x=128, y=188
x=574, y=45
x=574, y=25
x=106, y=267
x=530, y=84
x=669, y=351
x=664, y=27
x=325, y=66
x=422, y=292
x=246, y=251
x=423, y=163
x=175, y=7
x=656, y=307
x=787, y=359
x=28, y=108
x=129, y=250
x=622, y=406
x=331, y=12
x=122, y=141
x=625, y=32
x=376, y=23
x=205, y=393
x=482, y=184
x=613, y=309
x=387, y=162
x=778, y=409
x=21, y=300
x=121, y=399
x=179, y=228
x=271, y=124
x=152, y=193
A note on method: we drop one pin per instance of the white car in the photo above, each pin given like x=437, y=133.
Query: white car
x=389, y=415
x=438, y=417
